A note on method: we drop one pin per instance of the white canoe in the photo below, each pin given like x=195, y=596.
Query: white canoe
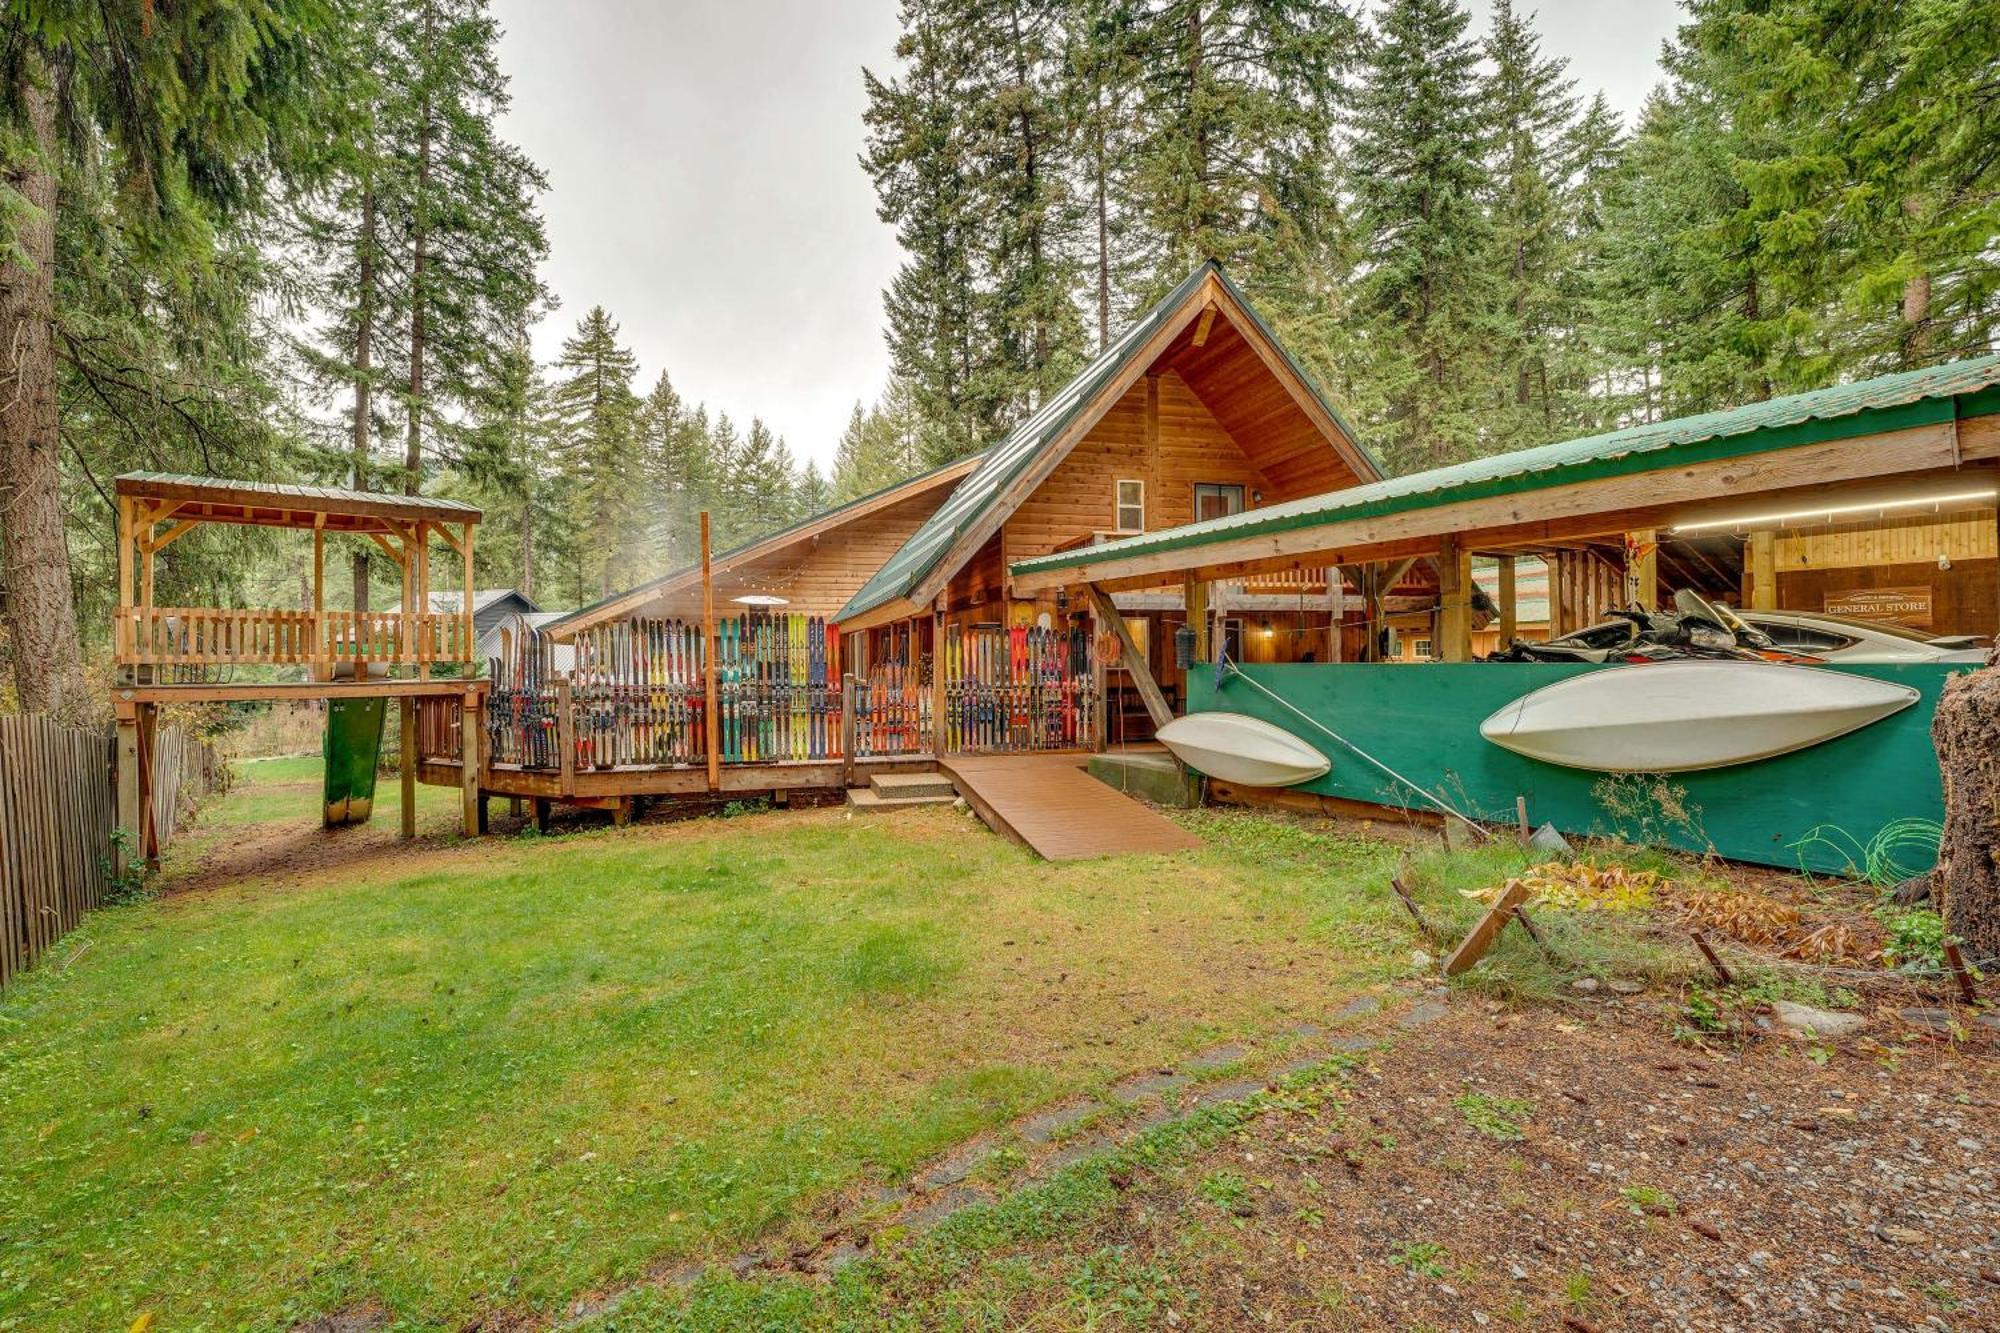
x=1242, y=749
x=1676, y=717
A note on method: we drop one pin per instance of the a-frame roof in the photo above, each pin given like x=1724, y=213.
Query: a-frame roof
x=1011, y=470
x=622, y=604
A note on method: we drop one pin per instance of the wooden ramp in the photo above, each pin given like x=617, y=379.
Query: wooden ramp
x=1047, y=803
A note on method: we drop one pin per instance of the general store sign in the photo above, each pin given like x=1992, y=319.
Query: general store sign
x=1907, y=606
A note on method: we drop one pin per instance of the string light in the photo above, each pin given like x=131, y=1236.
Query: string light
x=1829, y=512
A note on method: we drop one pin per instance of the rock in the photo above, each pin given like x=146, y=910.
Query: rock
x=1363, y=1005
x=1900, y=1235
x=1585, y=985
x=1550, y=843
x=1418, y=958
x=1802, y=1020
x=1624, y=987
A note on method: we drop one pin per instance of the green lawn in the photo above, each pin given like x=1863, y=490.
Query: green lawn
x=491, y=1076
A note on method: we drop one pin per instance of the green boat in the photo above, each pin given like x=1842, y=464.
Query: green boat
x=352, y=750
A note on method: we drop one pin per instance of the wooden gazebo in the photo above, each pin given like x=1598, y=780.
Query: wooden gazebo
x=167, y=654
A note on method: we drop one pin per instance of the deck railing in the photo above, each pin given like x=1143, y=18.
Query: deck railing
x=180, y=635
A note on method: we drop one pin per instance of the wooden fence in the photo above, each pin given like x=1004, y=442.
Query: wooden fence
x=58, y=807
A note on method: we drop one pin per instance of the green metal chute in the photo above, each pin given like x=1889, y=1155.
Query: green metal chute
x=352, y=750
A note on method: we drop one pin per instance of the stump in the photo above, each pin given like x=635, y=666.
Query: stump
x=1966, y=885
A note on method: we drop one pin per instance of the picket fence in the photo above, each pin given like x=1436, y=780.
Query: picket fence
x=58, y=807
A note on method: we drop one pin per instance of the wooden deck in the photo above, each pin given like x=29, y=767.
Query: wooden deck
x=1047, y=803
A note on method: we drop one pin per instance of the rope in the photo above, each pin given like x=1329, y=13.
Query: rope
x=1229, y=670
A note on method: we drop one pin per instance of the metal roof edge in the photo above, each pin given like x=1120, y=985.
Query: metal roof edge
x=743, y=548
x=1403, y=493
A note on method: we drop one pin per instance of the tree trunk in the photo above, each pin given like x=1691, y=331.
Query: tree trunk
x=528, y=541
x=41, y=608
x=1966, y=885
x=364, y=355
x=413, y=445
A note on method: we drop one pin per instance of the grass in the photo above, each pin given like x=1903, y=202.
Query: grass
x=492, y=1077
x=1496, y=1117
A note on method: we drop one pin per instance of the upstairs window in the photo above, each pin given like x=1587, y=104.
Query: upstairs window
x=1130, y=506
x=1214, y=500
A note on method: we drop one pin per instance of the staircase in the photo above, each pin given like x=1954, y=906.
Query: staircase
x=902, y=791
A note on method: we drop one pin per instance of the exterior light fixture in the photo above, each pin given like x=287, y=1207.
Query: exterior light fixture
x=1830, y=512
x=760, y=599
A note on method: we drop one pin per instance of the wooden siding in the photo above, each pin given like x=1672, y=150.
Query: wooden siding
x=1077, y=500
x=1964, y=599
x=816, y=577
x=1251, y=405
x=1967, y=536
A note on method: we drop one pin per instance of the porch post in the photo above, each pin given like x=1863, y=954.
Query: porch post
x=937, y=682
x=1194, y=602
x=709, y=728
x=1454, y=601
x=1763, y=553
x=471, y=736
x=1510, y=616
x=1142, y=671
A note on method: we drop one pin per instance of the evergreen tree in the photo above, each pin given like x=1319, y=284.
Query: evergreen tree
x=1237, y=104
x=595, y=416
x=881, y=445
x=170, y=120
x=1420, y=131
x=814, y=494
x=462, y=202
x=920, y=158
x=1532, y=108
x=1863, y=141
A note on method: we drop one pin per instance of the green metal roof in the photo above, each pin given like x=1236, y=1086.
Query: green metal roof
x=778, y=535
x=1007, y=461
x=1889, y=402
x=279, y=493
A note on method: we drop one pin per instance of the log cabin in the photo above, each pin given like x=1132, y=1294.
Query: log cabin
x=1196, y=412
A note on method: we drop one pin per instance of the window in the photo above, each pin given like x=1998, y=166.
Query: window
x=1130, y=506
x=1214, y=500
x=1421, y=650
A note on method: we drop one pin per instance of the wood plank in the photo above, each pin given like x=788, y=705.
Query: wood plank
x=1662, y=497
x=1132, y=659
x=1474, y=946
x=1050, y=805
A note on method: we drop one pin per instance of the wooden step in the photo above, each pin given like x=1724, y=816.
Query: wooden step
x=866, y=800
x=898, y=785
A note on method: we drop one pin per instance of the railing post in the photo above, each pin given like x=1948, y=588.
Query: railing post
x=566, y=736
x=847, y=730
x=471, y=732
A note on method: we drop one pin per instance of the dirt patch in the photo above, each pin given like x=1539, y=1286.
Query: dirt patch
x=1583, y=1170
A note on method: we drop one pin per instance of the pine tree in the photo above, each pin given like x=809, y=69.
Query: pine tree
x=880, y=447
x=1236, y=113
x=1532, y=110
x=920, y=159
x=678, y=476
x=462, y=202
x=1864, y=146
x=1420, y=132
x=595, y=416
x=172, y=118
x=814, y=493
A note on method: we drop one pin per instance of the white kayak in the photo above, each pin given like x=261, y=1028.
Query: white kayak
x=1676, y=717
x=1242, y=749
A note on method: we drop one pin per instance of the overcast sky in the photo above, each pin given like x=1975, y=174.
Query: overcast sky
x=704, y=188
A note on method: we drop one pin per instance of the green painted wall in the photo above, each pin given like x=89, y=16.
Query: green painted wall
x=1423, y=721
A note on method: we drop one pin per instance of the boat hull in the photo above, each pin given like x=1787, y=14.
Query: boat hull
x=1241, y=749
x=1682, y=717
